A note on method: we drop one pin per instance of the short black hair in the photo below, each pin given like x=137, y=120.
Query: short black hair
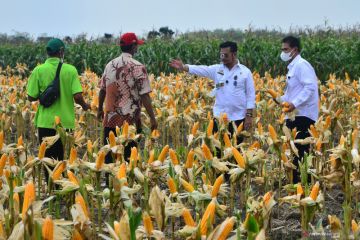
x=51, y=53
x=292, y=41
x=228, y=44
x=127, y=48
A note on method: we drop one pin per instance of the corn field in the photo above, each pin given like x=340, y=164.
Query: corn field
x=174, y=185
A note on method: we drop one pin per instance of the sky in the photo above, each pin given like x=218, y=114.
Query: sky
x=96, y=17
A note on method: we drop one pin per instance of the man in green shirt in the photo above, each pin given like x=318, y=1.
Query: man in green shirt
x=63, y=107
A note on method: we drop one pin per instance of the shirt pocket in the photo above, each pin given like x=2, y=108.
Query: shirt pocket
x=238, y=86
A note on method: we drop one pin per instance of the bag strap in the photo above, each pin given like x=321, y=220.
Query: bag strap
x=57, y=75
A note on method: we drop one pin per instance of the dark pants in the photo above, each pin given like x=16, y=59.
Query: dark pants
x=302, y=125
x=127, y=149
x=56, y=151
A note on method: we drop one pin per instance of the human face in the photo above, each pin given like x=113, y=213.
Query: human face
x=226, y=56
x=288, y=53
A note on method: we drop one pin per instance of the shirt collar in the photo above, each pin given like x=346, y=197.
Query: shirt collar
x=294, y=61
x=53, y=60
x=126, y=55
x=238, y=64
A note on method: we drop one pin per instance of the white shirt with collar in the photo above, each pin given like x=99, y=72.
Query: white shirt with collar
x=302, y=88
x=235, y=92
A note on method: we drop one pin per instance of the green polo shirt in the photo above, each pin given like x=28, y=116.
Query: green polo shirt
x=40, y=78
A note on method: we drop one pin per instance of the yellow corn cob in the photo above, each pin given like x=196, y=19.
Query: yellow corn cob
x=190, y=159
x=272, y=133
x=187, y=186
x=255, y=145
x=206, y=151
x=207, y=217
x=229, y=224
x=189, y=221
x=227, y=140
x=58, y=171
x=239, y=158
x=125, y=130
x=194, y=128
x=217, y=186
x=11, y=160
x=284, y=158
x=3, y=160
x=318, y=145
x=314, y=132
x=1, y=139
x=267, y=198
x=48, y=229
x=80, y=200
x=342, y=141
x=338, y=112
x=315, y=191
x=76, y=235
x=29, y=198
x=2, y=233
x=122, y=171
x=112, y=139
x=354, y=226
x=327, y=122
x=100, y=160
x=73, y=155
x=163, y=153
x=299, y=189
x=42, y=149
x=133, y=157
x=240, y=128
x=155, y=133
x=57, y=120
x=260, y=128
x=210, y=128
x=117, y=131
x=224, y=118
x=354, y=136
x=72, y=177
x=20, y=142
x=148, y=224
x=89, y=146
x=173, y=157
x=16, y=198
x=151, y=157
x=257, y=98
x=171, y=185
x=272, y=93
x=117, y=228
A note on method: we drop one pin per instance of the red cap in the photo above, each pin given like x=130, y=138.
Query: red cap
x=129, y=38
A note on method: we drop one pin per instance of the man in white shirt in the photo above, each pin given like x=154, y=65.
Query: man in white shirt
x=301, y=94
x=234, y=86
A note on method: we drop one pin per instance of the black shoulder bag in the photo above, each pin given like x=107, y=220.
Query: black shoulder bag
x=52, y=92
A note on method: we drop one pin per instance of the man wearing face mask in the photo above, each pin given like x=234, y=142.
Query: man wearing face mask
x=126, y=86
x=70, y=92
x=234, y=86
x=301, y=94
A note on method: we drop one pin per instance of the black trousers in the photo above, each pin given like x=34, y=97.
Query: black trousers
x=127, y=149
x=56, y=151
x=302, y=125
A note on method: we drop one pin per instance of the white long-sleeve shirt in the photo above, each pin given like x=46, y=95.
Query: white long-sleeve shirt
x=235, y=91
x=302, y=88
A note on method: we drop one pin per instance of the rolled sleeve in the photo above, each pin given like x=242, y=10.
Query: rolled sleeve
x=250, y=92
